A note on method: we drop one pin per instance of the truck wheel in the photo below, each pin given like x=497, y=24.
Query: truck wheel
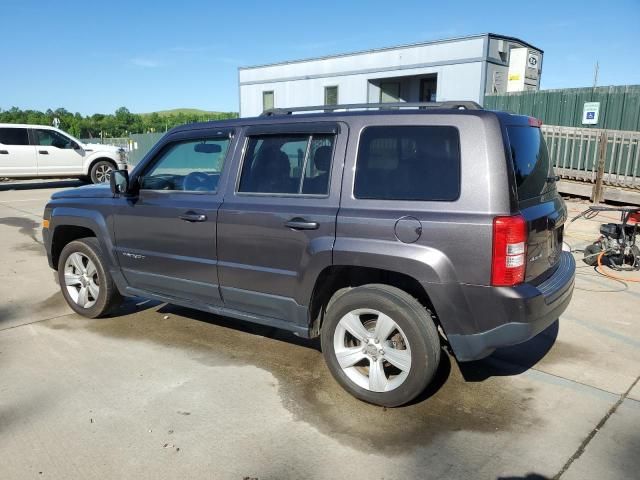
x=380, y=344
x=101, y=171
x=85, y=282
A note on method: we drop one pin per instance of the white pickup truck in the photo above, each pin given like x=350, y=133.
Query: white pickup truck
x=30, y=151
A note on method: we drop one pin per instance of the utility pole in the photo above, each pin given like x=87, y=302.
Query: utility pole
x=596, y=70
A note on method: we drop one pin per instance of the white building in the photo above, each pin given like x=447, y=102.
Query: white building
x=464, y=68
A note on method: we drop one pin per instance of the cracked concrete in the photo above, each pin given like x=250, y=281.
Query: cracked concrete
x=159, y=391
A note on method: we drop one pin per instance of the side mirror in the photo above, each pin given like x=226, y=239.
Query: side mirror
x=119, y=182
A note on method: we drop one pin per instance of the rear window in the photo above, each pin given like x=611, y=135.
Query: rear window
x=14, y=136
x=530, y=161
x=419, y=163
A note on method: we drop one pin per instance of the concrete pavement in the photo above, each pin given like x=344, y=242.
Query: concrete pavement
x=159, y=391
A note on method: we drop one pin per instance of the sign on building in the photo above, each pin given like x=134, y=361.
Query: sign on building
x=590, y=113
x=524, y=70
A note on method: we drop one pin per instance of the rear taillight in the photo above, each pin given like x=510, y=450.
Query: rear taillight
x=535, y=122
x=509, y=251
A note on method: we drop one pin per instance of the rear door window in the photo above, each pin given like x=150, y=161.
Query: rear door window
x=292, y=164
x=14, y=136
x=420, y=163
x=533, y=170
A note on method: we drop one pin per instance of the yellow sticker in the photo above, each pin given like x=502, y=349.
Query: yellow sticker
x=514, y=76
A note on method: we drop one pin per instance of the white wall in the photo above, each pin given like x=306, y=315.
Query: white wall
x=455, y=82
x=458, y=63
x=450, y=51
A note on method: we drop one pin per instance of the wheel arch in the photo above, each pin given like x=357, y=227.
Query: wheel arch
x=93, y=161
x=65, y=234
x=338, y=277
x=70, y=223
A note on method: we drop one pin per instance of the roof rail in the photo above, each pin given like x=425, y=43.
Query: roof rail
x=455, y=105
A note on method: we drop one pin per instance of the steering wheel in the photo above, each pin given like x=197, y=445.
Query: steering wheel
x=197, y=181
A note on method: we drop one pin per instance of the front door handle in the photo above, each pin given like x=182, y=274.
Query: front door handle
x=192, y=216
x=301, y=224
x=4, y=152
x=43, y=152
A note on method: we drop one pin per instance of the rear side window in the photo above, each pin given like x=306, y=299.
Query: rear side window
x=14, y=136
x=530, y=161
x=419, y=163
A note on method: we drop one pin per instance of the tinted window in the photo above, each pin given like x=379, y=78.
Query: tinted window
x=193, y=166
x=408, y=163
x=287, y=164
x=51, y=138
x=14, y=136
x=530, y=161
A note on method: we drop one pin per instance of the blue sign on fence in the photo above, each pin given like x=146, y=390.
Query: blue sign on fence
x=590, y=113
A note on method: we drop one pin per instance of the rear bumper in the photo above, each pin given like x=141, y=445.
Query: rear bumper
x=520, y=312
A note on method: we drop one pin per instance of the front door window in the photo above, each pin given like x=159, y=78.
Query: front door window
x=191, y=166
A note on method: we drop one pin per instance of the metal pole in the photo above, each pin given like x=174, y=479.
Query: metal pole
x=598, y=191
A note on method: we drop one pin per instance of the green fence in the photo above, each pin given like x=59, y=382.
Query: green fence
x=140, y=144
x=137, y=145
x=619, y=106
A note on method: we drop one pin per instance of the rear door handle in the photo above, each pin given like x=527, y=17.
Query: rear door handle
x=43, y=152
x=191, y=216
x=301, y=224
x=4, y=152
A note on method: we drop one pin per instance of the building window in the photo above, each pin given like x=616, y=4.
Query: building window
x=267, y=100
x=389, y=92
x=331, y=95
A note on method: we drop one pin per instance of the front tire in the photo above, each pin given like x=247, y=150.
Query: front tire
x=101, y=171
x=84, y=280
x=380, y=344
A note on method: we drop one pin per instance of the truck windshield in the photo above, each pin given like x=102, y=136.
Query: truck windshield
x=530, y=161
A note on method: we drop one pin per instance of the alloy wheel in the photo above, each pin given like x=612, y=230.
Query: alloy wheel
x=81, y=280
x=372, y=350
x=103, y=172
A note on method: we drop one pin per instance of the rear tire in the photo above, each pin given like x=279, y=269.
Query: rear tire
x=101, y=171
x=84, y=280
x=380, y=344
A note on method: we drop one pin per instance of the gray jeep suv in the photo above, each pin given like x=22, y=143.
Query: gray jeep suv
x=389, y=231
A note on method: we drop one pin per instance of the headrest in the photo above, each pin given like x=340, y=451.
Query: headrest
x=322, y=158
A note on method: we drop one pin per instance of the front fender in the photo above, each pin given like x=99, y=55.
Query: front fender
x=101, y=226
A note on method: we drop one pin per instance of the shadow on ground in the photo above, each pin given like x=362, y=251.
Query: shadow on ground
x=40, y=184
x=529, y=476
x=512, y=360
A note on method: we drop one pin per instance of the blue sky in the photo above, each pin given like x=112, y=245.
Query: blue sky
x=157, y=55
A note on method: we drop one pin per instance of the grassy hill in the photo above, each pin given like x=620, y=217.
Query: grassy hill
x=186, y=111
